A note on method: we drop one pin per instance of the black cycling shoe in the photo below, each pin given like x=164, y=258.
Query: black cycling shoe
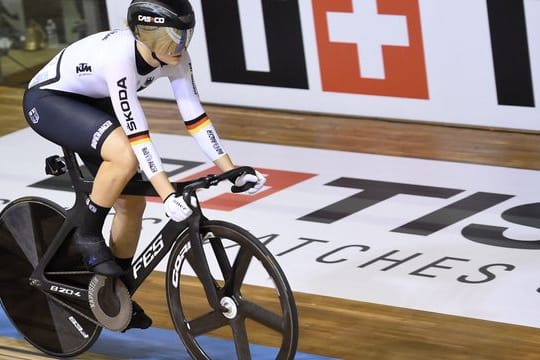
x=139, y=320
x=97, y=256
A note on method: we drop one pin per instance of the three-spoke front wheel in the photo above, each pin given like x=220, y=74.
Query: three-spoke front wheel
x=264, y=313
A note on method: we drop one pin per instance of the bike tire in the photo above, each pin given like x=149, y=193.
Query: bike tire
x=257, y=314
x=27, y=227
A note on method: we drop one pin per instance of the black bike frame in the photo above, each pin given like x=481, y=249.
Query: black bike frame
x=152, y=255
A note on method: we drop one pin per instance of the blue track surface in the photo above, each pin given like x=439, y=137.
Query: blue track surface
x=158, y=344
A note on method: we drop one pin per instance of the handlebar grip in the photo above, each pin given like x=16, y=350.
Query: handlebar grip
x=239, y=189
x=210, y=180
x=234, y=173
x=243, y=170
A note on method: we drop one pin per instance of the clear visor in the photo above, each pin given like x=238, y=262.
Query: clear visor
x=180, y=37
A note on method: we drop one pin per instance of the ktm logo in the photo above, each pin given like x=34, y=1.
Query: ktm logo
x=83, y=68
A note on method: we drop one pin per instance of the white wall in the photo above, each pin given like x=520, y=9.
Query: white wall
x=456, y=48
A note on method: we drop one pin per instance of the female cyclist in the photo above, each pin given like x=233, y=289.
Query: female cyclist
x=86, y=100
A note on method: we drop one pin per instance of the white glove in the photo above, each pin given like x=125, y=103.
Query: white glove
x=258, y=179
x=176, y=208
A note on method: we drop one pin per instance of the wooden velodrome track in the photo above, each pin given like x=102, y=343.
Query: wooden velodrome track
x=335, y=327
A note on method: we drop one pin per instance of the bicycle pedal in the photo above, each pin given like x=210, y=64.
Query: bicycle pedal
x=139, y=319
x=110, y=302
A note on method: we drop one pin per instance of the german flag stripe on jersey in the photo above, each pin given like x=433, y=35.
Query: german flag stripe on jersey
x=196, y=125
x=139, y=138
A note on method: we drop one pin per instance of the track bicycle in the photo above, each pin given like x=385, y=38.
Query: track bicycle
x=60, y=307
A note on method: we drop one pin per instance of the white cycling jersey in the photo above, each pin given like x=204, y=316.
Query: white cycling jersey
x=104, y=65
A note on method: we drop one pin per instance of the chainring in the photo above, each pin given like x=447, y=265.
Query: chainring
x=117, y=319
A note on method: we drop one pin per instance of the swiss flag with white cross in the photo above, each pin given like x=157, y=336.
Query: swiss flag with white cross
x=372, y=47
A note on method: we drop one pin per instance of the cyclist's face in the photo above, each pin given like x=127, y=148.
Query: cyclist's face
x=168, y=44
x=167, y=52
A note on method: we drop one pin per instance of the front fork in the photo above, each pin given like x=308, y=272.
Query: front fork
x=200, y=262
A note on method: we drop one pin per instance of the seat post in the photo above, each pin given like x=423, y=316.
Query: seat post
x=81, y=185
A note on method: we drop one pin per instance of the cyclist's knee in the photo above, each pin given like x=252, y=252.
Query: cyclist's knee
x=117, y=150
x=125, y=159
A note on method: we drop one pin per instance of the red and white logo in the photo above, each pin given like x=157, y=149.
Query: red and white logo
x=151, y=19
x=371, y=47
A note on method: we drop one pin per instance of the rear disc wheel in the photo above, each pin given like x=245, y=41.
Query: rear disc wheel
x=27, y=228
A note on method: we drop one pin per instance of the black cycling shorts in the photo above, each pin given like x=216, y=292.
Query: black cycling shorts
x=76, y=122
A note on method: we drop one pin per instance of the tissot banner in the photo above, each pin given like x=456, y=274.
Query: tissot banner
x=446, y=237
x=471, y=62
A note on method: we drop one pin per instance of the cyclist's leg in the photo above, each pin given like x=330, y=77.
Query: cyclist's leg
x=127, y=220
x=51, y=114
x=118, y=165
x=124, y=237
x=126, y=226
x=125, y=232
